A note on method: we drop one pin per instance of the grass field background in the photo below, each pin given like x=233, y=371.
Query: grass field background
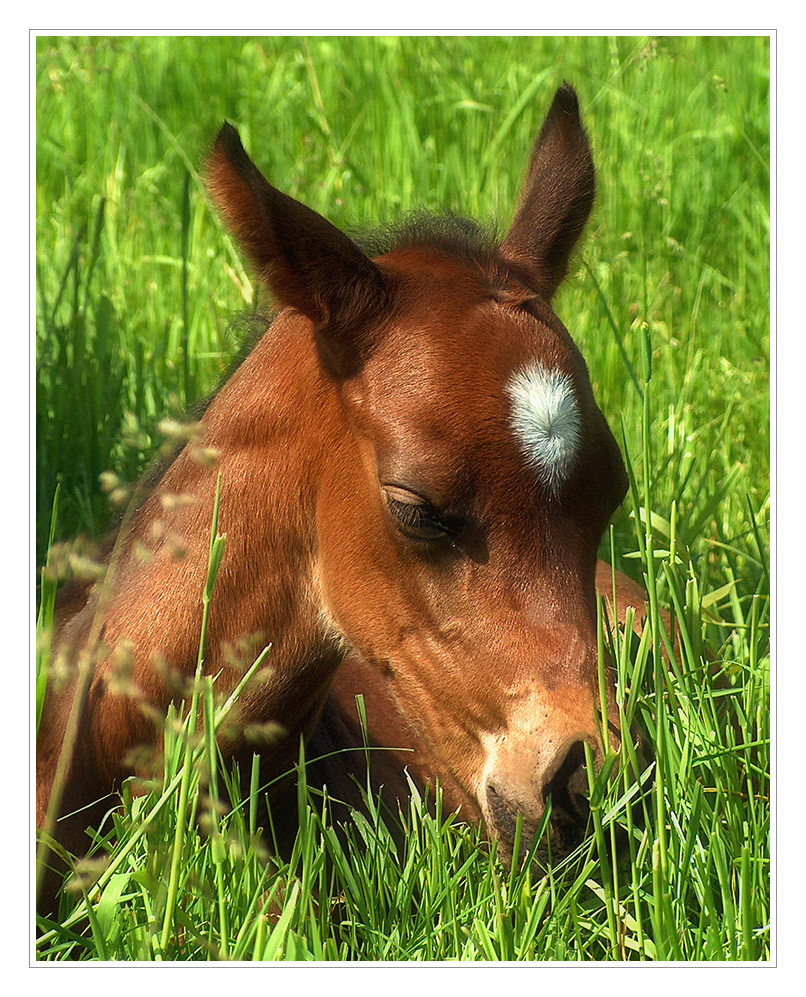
x=668, y=298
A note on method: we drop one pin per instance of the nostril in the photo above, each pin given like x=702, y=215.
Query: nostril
x=503, y=808
x=496, y=802
x=568, y=785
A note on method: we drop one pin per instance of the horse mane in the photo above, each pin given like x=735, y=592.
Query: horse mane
x=449, y=234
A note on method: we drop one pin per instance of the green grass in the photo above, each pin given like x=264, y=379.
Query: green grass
x=669, y=302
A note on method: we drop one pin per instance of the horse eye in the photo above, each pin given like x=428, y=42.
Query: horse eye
x=414, y=516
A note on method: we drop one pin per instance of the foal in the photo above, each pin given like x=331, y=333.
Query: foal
x=414, y=477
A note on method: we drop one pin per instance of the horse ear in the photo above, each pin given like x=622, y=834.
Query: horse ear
x=556, y=200
x=305, y=261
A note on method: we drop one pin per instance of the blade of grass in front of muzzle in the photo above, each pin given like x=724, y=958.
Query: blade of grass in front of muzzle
x=687, y=623
x=516, y=852
x=632, y=669
x=601, y=671
x=363, y=723
x=605, y=870
x=631, y=786
x=216, y=552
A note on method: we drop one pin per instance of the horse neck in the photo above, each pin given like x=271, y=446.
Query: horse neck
x=272, y=424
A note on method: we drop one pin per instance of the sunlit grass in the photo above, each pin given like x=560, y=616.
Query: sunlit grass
x=675, y=864
x=669, y=301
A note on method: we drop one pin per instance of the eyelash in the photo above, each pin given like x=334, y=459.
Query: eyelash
x=419, y=521
x=416, y=517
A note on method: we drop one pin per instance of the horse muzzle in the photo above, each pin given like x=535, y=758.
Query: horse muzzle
x=524, y=784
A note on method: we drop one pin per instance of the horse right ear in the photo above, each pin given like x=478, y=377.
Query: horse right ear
x=305, y=261
x=556, y=200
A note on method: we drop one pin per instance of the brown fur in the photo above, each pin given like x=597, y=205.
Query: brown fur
x=471, y=633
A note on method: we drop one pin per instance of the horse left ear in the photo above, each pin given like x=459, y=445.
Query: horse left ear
x=556, y=200
x=305, y=261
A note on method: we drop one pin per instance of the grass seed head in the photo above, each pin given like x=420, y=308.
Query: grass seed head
x=86, y=873
x=109, y=481
x=205, y=456
x=170, y=501
x=120, y=678
x=84, y=569
x=175, y=681
x=180, y=432
x=264, y=735
x=176, y=547
x=240, y=655
x=142, y=553
x=61, y=669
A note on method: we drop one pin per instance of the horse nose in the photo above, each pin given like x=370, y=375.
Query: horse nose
x=567, y=788
x=558, y=776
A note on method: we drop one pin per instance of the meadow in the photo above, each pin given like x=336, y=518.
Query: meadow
x=140, y=294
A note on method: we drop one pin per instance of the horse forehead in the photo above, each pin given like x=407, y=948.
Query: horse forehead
x=474, y=354
x=508, y=408
x=464, y=369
